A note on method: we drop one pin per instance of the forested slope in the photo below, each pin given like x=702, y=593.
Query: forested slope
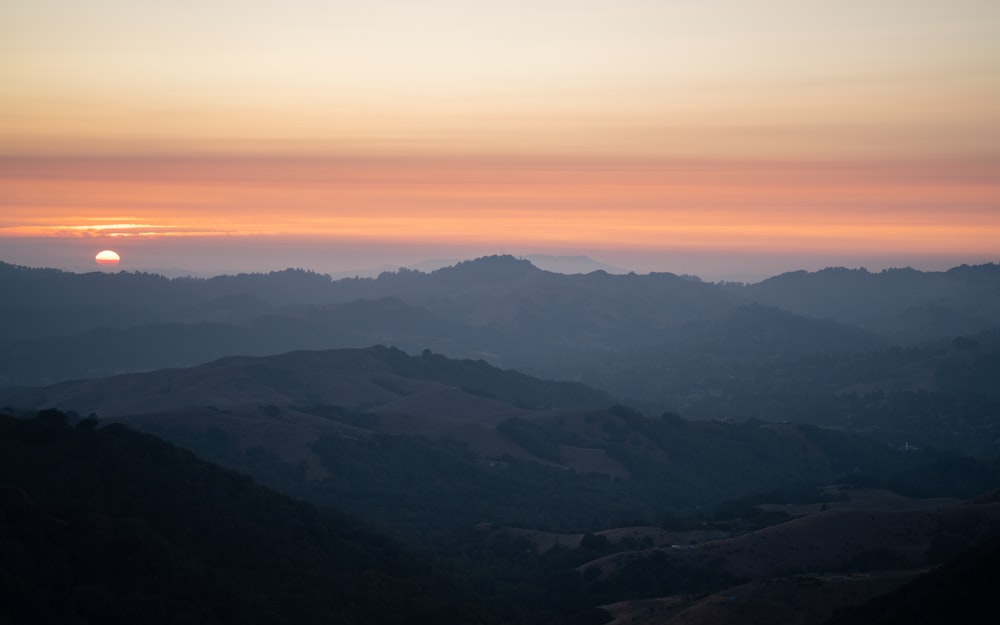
x=111, y=526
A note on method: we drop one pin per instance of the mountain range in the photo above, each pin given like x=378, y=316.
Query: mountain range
x=838, y=347
x=392, y=437
x=578, y=447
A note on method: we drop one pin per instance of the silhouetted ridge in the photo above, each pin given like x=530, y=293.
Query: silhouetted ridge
x=348, y=377
x=986, y=273
x=634, y=336
x=966, y=296
x=489, y=268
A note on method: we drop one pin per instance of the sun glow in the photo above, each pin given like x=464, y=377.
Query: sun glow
x=107, y=257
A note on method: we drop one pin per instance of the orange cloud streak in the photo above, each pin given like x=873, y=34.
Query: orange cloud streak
x=925, y=207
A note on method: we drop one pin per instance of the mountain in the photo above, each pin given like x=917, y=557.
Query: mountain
x=498, y=308
x=102, y=524
x=849, y=536
x=813, y=553
x=571, y=264
x=961, y=586
x=902, y=304
x=473, y=461
x=550, y=496
x=362, y=323
x=395, y=438
x=555, y=264
x=111, y=526
x=354, y=379
x=939, y=394
x=814, y=347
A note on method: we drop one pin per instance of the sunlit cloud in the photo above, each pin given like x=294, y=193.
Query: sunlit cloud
x=109, y=227
x=116, y=230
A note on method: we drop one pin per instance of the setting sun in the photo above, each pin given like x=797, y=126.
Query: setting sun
x=107, y=257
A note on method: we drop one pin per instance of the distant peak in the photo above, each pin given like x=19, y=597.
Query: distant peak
x=571, y=264
x=505, y=266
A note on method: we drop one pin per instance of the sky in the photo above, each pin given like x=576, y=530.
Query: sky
x=721, y=137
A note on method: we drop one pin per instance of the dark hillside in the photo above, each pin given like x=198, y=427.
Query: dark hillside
x=964, y=589
x=106, y=350
x=111, y=526
x=425, y=445
x=904, y=304
x=351, y=378
x=46, y=302
x=941, y=394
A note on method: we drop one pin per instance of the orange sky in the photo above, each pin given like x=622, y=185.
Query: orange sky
x=805, y=128
x=779, y=206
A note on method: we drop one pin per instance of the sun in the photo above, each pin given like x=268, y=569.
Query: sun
x=107, y=257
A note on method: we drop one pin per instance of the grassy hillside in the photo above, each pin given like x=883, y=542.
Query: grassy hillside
x=425, y=445
x=964, y=588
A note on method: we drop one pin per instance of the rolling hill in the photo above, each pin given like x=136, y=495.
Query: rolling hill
x=393, y=437
x=658, y=341
x=111, y=526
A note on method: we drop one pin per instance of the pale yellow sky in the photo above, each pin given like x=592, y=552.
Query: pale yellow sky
x=766, y=78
